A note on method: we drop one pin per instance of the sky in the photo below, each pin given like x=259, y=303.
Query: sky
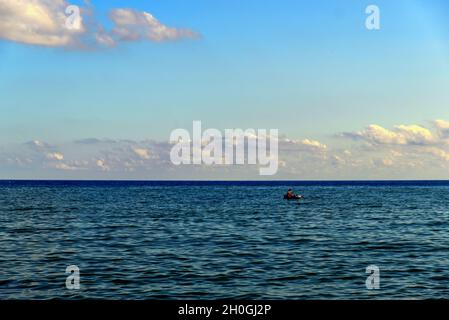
x=100, y=101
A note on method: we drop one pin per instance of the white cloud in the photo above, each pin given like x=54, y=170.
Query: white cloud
x=64, y=166
x=46, y=23
x=38, y=145
x=142, y=153
x=337, y=160
x=313, y=144
x=102, y=164
x=400, y=135
x=376, y=134
x=304, y=146
x=403, y=152
x=414, y=134
x=442, y=124
x=132, y=25
x=55, y=156
x=442, y=127
x=440, y=153
x=103, y=39
x=37, y=22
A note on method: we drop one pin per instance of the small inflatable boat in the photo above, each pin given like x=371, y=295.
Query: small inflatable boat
x=295, y=197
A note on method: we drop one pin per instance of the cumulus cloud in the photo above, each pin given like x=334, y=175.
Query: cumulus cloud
x=376, y=134
x=442, y=127
x=131, y=25
x=414, y=134
x=38, y=22
x=440, y=153
x=142, y=153
x=405, y=146
x=55, y=156
x=304, y=145
x=102, y=164
x=39, y=145
x=400, y=135
x=57, y=23
x=402, y=152
x=313, y=144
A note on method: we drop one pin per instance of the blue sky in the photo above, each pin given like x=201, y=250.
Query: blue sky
x=309, y=68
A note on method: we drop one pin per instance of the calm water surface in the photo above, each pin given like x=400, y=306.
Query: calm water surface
x=223, y=240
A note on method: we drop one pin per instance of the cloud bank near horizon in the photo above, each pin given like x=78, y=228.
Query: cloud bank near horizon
x=403, y=152
x=45, y=23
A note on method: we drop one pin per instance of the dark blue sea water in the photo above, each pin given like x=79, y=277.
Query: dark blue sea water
x=208, y=240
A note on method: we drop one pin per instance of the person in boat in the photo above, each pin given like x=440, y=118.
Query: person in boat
x=290, y=195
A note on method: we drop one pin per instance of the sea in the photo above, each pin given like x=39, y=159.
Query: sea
x=224, y=240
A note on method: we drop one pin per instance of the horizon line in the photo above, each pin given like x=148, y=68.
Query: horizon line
x=231, y=180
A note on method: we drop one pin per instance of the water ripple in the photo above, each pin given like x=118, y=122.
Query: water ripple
x=191, y=241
